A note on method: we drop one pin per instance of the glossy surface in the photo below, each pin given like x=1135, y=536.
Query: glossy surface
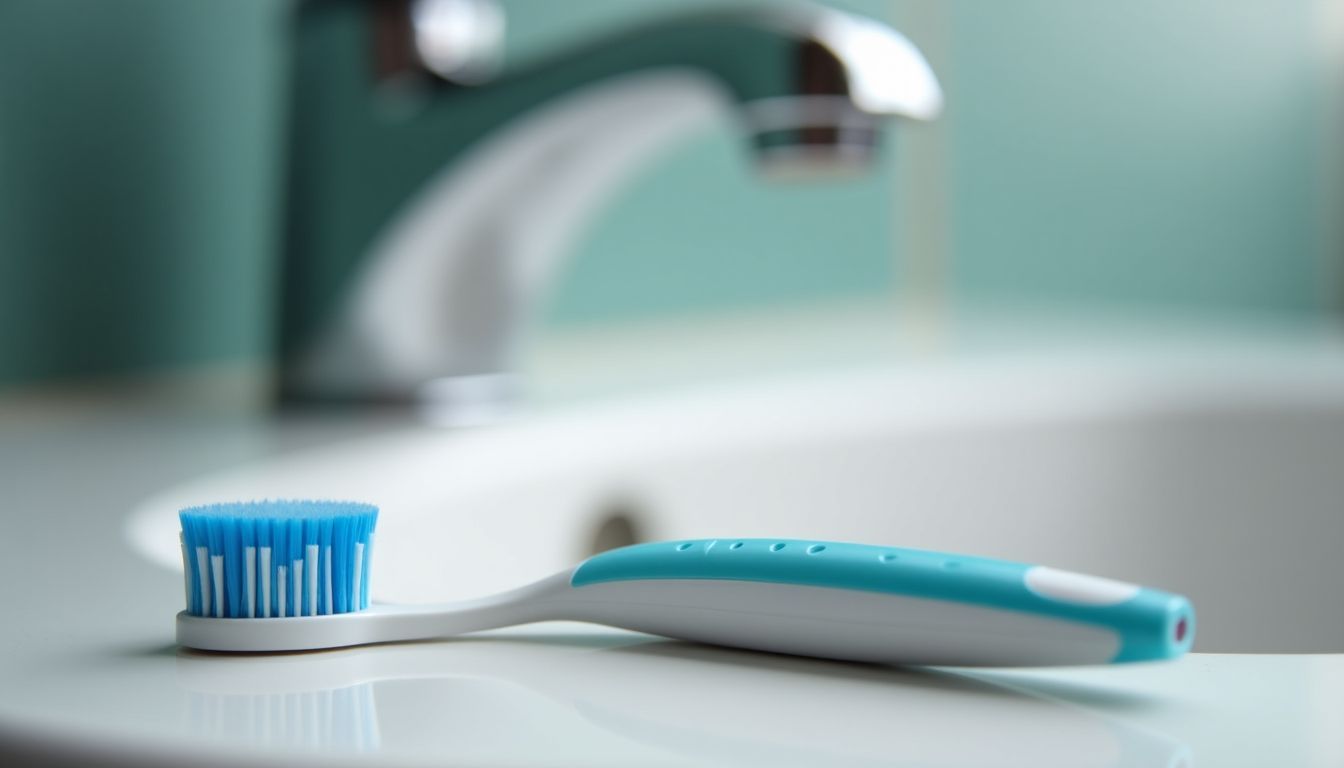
x=396, y=280
x=89, y=671
x=590, y=697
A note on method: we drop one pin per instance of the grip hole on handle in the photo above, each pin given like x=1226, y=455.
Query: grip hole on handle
x=816, y=548
x=735, y=545
x=776, y=547
x=684, y=546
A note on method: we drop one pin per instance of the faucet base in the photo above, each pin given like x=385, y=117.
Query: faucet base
x=451, y=401
x=468, y=401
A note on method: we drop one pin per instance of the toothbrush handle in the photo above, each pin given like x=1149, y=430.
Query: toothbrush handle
x=881, y=604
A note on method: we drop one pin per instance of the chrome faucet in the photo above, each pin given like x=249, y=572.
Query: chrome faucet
x=431, y=201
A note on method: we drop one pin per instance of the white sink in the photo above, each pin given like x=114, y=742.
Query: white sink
x=1222, y=479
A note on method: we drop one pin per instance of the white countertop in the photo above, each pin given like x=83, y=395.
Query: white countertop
x=570, y=695
x=90, y=675
x=90, y=671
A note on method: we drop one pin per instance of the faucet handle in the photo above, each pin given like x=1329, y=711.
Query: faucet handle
x=459, y=41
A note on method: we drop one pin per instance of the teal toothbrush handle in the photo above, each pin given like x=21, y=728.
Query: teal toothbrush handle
x=1146, y=624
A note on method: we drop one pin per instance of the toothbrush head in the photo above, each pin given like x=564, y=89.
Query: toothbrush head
x=271, y=559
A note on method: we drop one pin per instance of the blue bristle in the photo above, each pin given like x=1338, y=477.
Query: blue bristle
x=286, y=529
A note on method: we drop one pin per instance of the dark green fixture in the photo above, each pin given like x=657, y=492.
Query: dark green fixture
x=430, y=202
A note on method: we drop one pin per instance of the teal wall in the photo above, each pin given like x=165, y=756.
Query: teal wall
x=1129, y=154
x=137, y=161
x=1143, y=153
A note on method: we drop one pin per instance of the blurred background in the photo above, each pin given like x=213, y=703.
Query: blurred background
x=1080, y=308
x=1133, y=160
x=1087, y=313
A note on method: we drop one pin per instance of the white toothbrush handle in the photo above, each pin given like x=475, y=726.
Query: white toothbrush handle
x=879, y=604
x=379, y=623
x=842, y=601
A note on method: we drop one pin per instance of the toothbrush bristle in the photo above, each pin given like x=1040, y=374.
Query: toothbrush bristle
x=269, y=559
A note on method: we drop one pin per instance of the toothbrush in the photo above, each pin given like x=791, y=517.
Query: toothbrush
x=293, y=575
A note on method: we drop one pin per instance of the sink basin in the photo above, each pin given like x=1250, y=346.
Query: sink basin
x=1220, y=478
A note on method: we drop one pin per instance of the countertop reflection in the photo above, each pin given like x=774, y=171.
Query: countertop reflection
x=579, y=695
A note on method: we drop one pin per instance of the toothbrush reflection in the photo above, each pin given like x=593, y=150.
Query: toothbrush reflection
x=326, y=719
x=622, y=698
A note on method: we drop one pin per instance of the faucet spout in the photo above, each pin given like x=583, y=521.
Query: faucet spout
x=427, y=291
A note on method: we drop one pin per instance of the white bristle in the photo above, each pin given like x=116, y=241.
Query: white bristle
x=310, y=561
x=266, y=581
x=217, y=576
x=250, y=573
x=327, y=607
x=368, y=562
x=280, y=590
x=296, y=574
x=355, y=602
x=203, y=572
